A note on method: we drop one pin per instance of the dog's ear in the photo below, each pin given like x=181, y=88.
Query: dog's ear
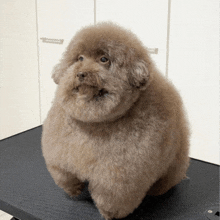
x=57, y=73
x=67, y=59
x=139, y=75
x=60, y=69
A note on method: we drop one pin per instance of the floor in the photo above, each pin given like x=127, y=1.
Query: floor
x=4, y=216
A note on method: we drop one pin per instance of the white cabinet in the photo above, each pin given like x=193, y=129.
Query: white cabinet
x=193, y=63
x=146, y=18
x=26, y=59
x=19, y=96
x=194, y=69
x=57, y=21
x=34, y=34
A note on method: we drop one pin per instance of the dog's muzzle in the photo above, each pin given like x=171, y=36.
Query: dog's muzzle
x=88, y=87
x=81, y=76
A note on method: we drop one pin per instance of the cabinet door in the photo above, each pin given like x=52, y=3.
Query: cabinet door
x=146, y=18
x=194, y=69
x=193, y=56
x=58, y=21
x=19, y=96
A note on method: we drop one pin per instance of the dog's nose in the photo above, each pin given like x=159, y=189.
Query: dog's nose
x=81, y=75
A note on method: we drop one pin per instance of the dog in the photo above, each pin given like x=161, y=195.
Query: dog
x=115, y=122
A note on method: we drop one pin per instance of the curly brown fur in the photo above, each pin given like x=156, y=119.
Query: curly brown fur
x=115, y=122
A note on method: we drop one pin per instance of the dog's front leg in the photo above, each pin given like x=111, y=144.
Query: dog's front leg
x=66, y=180
x=117, y=200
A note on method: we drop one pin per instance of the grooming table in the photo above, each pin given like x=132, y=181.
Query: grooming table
x=28, y=192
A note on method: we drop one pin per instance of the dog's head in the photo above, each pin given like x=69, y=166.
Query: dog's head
x=101, y=73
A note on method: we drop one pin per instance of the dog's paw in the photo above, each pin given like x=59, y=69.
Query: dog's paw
x=106, y=215
x=75, y=190
x=116, y=212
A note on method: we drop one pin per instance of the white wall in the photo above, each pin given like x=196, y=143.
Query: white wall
x=193, y=63
x=19, y=86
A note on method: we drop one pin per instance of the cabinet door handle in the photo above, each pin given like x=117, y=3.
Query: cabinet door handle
x=153, y=50
x=52, y=40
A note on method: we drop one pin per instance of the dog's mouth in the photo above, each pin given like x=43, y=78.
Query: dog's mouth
x=103, y=92
x=89, y=92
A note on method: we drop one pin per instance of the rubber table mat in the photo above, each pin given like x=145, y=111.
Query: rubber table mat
x=28, y=192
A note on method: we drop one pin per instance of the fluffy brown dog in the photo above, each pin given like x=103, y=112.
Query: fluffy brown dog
x=116, y=122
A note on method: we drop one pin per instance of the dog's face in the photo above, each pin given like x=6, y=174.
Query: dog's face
x=101, y=73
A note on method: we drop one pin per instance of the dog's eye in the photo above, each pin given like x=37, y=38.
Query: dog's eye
x=81, y=58
x=104, y=59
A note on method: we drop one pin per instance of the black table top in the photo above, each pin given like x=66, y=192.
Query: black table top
x=28, y=192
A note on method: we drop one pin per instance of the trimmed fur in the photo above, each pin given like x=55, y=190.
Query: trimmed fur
x=118, y=124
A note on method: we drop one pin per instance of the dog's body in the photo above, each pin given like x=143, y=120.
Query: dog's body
x=115, y=122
